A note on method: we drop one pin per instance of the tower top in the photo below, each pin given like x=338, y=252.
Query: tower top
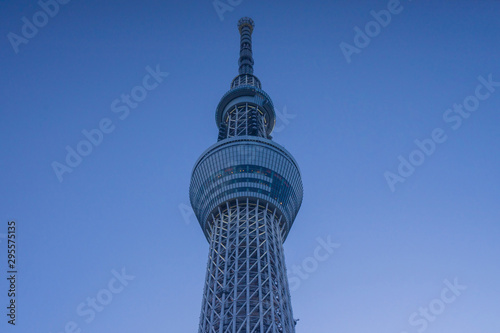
x=246, y=87
x=246, y=21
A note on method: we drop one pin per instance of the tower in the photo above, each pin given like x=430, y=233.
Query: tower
x=246, y=191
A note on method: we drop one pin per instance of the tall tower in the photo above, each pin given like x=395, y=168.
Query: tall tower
x=246, y=191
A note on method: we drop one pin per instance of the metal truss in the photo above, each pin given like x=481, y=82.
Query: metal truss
x=244, y=119
x=246, y=80
x=246, y=288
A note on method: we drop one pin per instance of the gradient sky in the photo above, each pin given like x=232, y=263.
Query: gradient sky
x=124, y=205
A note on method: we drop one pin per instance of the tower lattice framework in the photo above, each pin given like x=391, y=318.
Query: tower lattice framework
x=246, y=191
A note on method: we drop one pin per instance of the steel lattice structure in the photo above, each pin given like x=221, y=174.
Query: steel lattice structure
x=246, y=191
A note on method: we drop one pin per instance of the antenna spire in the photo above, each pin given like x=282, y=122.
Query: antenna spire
x=245, y=26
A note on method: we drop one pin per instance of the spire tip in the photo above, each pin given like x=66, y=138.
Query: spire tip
x=246, y=21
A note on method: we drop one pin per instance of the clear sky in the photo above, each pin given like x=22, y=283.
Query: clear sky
x=391, y=110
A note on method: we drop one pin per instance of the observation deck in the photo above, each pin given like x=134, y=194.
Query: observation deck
x=246, y=167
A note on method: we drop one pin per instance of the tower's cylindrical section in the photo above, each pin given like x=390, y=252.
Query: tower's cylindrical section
x=245, y=26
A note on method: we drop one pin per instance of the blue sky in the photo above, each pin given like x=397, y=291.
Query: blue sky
x=116, y=228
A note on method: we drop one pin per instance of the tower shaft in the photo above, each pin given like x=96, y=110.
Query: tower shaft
x=246, y=286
